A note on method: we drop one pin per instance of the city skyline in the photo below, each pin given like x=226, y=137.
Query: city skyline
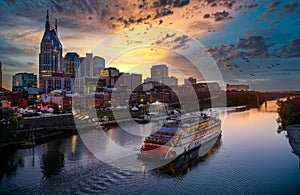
x=255, y=51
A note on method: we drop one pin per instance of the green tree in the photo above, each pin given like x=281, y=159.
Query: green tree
x=289, y=111
x=9, y=123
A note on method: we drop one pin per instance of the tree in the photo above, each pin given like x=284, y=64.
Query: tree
x=289, y=111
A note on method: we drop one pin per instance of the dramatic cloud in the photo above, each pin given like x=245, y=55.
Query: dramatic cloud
x=250, y=6
x=181, y=42
x=180, y=3
x=250, y=47
x=290, y=7
x=206, y=16
x=13, y=49
x=255, y=46
x=222, y=50
x=273, y=23
x=213, y=3
x=83, y=24
x=289, y=51
x=220, y=16
x=275, y=7
x=174, y=42
x=175, y=3
x=163, y=12
x=273, y=4
x=267, y=13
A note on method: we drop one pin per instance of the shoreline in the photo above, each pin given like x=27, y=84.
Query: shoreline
x=65, y=130
x=293, y=132
x=38, y=141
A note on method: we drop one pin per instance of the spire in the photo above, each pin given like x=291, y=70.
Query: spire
x=56, y=26
x=47, y=25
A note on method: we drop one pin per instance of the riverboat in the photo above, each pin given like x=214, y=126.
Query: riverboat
x=180, y=135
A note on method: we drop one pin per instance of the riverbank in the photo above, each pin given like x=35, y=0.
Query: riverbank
x=45, y=128
x=11, y=146
x=48, y=127
x=289, y=112
x=67, y=166
x=293, y=132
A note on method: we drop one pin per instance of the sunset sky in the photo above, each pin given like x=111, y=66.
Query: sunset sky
x=253, y=42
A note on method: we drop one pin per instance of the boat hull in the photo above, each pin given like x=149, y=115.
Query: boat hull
x=207, y=146
x=203, y=145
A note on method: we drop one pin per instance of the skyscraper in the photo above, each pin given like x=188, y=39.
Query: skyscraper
x=50, y=57
x=86, y=66
x=98, y=66
x=0, y=75
x=159, y=72
x=23, y=80
x=111, y=76
x=71, y=63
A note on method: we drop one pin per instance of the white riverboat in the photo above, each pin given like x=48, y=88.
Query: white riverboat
x=180, y=135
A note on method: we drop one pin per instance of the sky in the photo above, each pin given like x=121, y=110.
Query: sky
x=252, y=42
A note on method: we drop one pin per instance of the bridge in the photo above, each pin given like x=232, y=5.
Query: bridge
x=265, y=96
x=256, y=98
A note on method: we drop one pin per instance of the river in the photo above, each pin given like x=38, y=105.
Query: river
x=250, y=157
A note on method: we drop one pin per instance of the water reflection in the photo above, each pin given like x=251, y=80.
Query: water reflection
x=251, y=158
x=185, y=164
x=8, y=166
x=11, y=161
x=74, y=143
x=293, y=135
x=52, y=160
x=270, y=106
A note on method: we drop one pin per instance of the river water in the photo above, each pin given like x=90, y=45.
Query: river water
x=250, y=157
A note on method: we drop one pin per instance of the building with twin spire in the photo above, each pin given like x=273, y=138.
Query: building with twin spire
x=50, y=57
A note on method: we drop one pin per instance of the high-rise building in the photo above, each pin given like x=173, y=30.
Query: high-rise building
x=0, y=75
x=71, y=63
x=136, y=80
x=132, y=81
x=111, y=76
x=91, y=66
x=160, y=76
x=159, y=73
x=98, y=66
x=86, y=65
x=170, y=81
x=59, y=81
x=23, y=80
x=50, y=57
x=190, y=81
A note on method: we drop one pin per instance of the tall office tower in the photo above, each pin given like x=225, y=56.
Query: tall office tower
x=159, y=73
x=98, y=66
x=71, y=63
x=110, y=75
x=24, y=80
x=86, y=66
x=0, y=75
x=50, y=57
